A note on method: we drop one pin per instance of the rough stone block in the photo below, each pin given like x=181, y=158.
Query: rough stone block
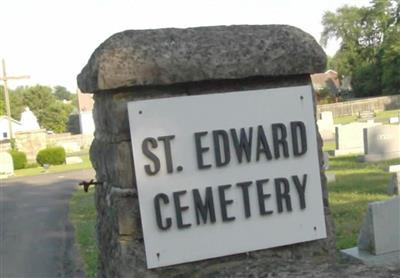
x=113, y=162
x=170, y=56
x=127, y=210
x=381, y=227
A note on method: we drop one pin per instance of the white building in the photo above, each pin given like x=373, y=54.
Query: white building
x=28, y=123
x=85, y=104
x=4, y=132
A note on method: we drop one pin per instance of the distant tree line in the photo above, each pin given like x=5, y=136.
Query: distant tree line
x=52, y=106
x=369, y=46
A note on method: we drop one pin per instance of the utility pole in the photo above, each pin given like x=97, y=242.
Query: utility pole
x=5, y=78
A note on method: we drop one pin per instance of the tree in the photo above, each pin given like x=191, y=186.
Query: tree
x=55, y=118
x=16, y=105
x=2, y=102
x=51, y=113
x=369, y=45
x=62, y=93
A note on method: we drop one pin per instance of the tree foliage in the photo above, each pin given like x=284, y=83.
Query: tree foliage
x=51, y=112
x=369, y=45
x=62, y=93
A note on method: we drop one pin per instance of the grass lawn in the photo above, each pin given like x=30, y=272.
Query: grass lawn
x=357, y=184
x=55, y=168
x=82, y=214
x=382, y=117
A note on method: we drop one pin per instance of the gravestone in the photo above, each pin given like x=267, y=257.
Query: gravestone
x=381, y=227
x=382, y=142
x=394, y=120
x=202, y=83
x=73, y=160
x=379, y=240
x=350, y=138
x=394, y=185
x=393, y=168
x=6, y=165
x=326, y=125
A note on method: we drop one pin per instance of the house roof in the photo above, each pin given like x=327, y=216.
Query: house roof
x=326, y=79
x=2, y=118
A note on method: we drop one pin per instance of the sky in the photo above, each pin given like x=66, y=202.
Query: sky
x=51, y=40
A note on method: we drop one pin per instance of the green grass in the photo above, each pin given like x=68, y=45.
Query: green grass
x=329, y=146
x=83, y=217
x=345, y=120
x=55, y=168
x=357, y=184
x=382, y=117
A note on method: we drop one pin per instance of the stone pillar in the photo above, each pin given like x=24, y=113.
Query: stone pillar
x=31, y=142
x=145, y=64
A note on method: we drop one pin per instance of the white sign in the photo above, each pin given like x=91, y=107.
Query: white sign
x=228, y=173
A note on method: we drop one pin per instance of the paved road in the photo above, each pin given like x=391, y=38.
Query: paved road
x=36, y=239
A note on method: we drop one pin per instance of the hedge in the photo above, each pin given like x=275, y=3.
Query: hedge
x=51, y=156
x=19, y=159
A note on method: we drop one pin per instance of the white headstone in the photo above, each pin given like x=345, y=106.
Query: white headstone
x=73, y=160
x=330, y=177
x=380, y=232
x=6, y=165
x=394, y=120
x=382, y=142
x=394, y=168
x=29, y=121
x=326, y=126
x=350, y=138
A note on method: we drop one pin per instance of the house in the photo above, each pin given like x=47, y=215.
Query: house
x=15, y=126
x=327, y=80
x=85, y=107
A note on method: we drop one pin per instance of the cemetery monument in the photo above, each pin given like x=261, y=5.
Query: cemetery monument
x=207, y=152
x=349, y=138
x=379, y=241
x=382, y=142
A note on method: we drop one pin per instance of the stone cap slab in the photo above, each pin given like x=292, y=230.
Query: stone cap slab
x=169, y=56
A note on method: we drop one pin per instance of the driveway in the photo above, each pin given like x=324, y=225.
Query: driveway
x=36, y=238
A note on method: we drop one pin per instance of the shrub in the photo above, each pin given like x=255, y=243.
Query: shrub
x=19, y=159
x=51, y=156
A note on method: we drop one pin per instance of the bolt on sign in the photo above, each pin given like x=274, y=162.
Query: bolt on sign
x=227, y=173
